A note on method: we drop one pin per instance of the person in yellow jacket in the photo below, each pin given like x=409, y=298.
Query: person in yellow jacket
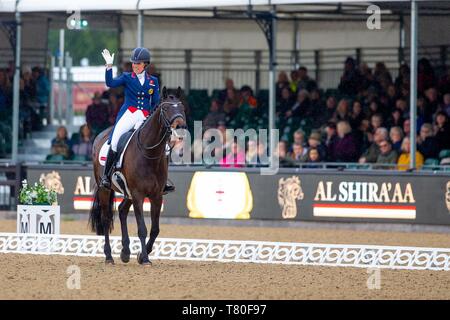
x=403, y=160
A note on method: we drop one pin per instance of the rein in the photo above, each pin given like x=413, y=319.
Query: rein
x=167, y=130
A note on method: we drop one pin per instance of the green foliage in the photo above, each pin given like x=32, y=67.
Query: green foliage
x=36, y=195
x=85, y=43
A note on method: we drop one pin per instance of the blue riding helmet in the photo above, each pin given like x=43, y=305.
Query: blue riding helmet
x=140, y=55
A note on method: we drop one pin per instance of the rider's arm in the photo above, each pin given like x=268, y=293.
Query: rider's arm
x=155, y=97
x=113, y=82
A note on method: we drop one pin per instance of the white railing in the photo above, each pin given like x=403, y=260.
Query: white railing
x=339, y=255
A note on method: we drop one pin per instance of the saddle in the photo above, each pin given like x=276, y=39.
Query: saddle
x=122, y=145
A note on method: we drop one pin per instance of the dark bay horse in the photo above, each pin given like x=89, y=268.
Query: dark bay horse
x=145, y=168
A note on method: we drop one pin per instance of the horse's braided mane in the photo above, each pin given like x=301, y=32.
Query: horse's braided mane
x=171, y=96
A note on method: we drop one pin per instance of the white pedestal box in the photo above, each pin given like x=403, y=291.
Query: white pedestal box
x=38, y=219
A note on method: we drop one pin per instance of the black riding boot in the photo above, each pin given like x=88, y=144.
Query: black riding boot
x=110, y=161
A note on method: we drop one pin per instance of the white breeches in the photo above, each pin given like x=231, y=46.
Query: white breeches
x=128, y=121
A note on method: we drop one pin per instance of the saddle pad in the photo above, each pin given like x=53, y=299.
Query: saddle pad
x=104, y=152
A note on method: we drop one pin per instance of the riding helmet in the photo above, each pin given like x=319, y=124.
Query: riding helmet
x=140, y=55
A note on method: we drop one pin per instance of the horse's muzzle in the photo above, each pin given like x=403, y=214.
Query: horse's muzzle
x=178, y=123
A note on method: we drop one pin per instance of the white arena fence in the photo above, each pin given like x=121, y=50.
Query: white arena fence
x=308, y=254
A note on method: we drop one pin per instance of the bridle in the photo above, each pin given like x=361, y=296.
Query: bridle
x=167, y=130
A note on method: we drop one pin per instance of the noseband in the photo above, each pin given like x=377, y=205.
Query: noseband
x=166, y=124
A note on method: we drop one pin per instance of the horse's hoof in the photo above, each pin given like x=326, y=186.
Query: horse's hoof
x=125, y=257
x=109, y=261
x=141, y=261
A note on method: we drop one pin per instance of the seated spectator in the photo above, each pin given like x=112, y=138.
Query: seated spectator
x=431, y=103
x=236, y=158
x=298, y=152
x=342, y=112
x=97, y=115
x=381, y=73
x=299, y=137
x=403, y=77
x=247, y=107
x=315, y=141
x=446, y=104
x=61, y=143
x=83, y=145
x=223, y=130
x=231, y=104
x=214, y=116
x=402, y=105
x=247, y=98
x=421, y=113
x=407, y=127
x=371, y=154
x=404, y=159
x=281, y=152
x=304, y=81
x=317, y=107
x=427, y=143
x=293, y=85
x=284, y=102
x=356, y=115
x=330, y=108
x=376, y=121
x=263, y=155
x=442, y=130
x=350, y=79
x=392, y=96
x=283, y=82
x=363, y=136
x=251, y=155
x=396, y=136
x=224, y=94
x=387, y=155
x=395, y=119
x=331, y=137
x=301, y=106
x=313, y=155
x=374, y=108
x=344, y=149
x=312, y=159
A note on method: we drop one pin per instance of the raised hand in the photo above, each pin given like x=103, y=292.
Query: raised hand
x=108, y=57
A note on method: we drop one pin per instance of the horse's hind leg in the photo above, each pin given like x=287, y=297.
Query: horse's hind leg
x=106, y=198
x=138, y=204
x=155, y=212
x=124, y=208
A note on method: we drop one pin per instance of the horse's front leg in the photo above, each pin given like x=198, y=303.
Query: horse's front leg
x=138, y=206
x=154, y=231
x=124, y=208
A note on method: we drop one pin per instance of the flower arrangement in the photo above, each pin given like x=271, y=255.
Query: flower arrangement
x=36, y=195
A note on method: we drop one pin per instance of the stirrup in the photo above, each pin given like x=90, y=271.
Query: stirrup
x=105, y=182
x=168, y=188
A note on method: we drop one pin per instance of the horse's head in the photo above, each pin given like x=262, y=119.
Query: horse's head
x=172, y=111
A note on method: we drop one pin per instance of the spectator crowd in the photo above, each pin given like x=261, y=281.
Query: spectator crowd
x=365, y=120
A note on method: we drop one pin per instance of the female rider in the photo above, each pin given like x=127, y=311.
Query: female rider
x=141, y=97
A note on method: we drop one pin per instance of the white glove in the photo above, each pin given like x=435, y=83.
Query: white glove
x=107, y=56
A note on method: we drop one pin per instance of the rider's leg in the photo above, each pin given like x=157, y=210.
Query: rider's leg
x=125, y=123
x=168, y=187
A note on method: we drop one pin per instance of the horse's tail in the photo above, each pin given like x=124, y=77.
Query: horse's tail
x=95, y=216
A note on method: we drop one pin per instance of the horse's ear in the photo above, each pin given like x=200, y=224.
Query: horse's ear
x=179, y=92
x=164, y=92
